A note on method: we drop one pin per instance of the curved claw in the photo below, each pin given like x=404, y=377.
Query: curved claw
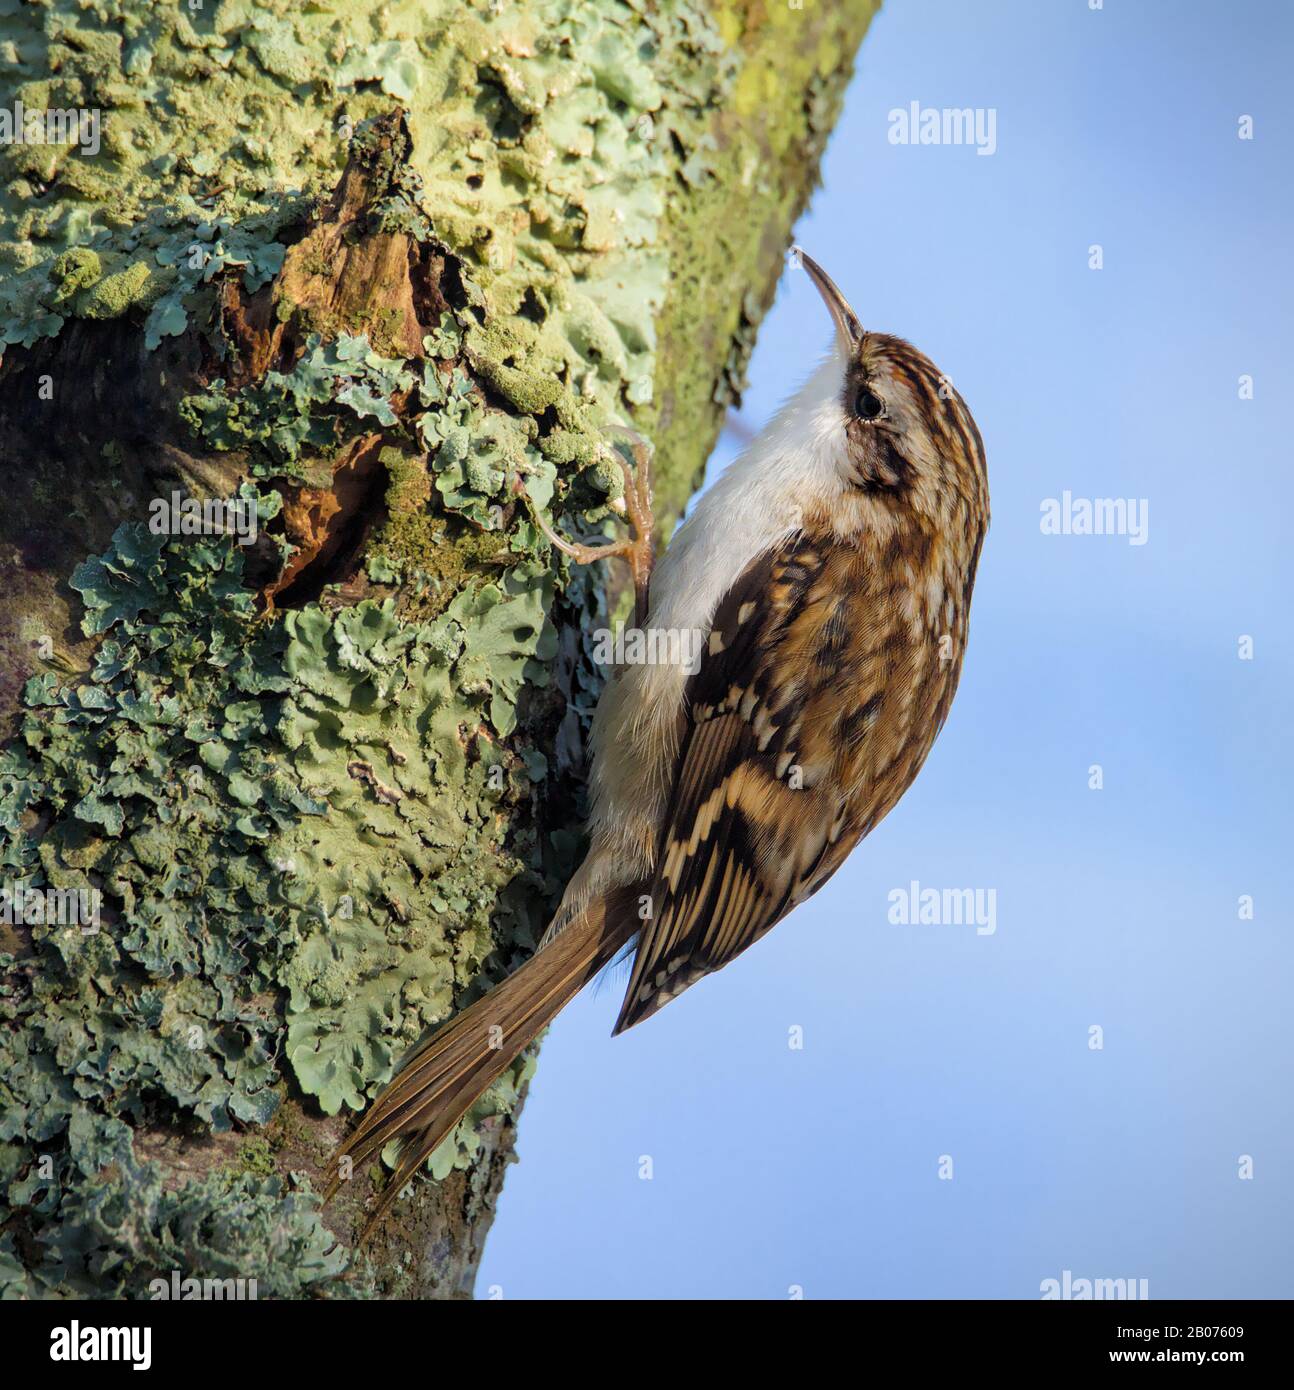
x=639, y=552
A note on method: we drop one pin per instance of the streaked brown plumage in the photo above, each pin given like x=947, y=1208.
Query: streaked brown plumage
x=722, y=799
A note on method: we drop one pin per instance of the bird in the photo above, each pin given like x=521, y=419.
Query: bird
x=827, y=576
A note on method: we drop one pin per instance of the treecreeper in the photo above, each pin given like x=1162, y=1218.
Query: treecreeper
x=829, y=573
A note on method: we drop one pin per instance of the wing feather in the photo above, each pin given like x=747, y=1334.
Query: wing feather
x=742, y=836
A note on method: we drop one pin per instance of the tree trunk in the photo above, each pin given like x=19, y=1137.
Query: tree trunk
x=271, y=807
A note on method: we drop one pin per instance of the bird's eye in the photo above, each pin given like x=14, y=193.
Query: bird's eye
x=869, y=405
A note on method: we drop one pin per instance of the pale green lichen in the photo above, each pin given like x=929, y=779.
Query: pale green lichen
x=114, y=1234
x=332, y=389
x=542, y=135
x=304, y=805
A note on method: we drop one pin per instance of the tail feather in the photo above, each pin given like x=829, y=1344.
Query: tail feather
x=442, y=1080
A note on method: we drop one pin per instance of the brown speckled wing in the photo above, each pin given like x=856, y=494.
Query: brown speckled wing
x=755, y=821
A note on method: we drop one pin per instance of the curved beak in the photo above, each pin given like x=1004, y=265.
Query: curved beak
x=848, y=329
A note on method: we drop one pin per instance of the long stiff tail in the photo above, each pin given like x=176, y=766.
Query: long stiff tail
x=442, y=1079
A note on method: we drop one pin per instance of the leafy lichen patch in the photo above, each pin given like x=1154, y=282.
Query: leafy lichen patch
x=203, y=780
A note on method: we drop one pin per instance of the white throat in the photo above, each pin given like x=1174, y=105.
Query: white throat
x=755, y=503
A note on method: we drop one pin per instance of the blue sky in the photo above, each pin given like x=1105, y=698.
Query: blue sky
x=818, y=1168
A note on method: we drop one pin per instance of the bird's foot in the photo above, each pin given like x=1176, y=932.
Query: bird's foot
x=636, y=550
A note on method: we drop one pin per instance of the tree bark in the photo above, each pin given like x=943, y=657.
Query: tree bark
x=391, y=290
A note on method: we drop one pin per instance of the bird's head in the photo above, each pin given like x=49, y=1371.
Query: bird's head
x=909, y=437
